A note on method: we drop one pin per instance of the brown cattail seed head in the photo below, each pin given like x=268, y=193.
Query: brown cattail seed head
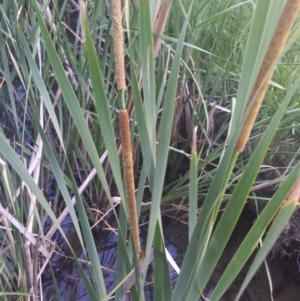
x=266, y=71
x=128, y=177
x=118, y=44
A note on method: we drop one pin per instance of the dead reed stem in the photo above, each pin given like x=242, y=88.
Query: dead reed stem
x=267, y=68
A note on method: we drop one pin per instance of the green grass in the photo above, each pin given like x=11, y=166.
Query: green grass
x=201, y=77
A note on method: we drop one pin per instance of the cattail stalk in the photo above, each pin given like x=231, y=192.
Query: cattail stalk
x=267, y=68
x=124, y=125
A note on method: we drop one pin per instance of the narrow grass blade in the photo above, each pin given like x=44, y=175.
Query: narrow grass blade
x=149, y=161
x=225, y=11
x=147, y=69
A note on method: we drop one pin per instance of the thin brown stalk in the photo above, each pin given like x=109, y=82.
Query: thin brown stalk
x=129, y=178
x=267, y=68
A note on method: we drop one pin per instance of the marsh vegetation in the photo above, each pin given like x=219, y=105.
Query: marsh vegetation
x=189, y=109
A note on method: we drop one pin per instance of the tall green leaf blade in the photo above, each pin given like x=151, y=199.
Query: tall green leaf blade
x=148, y=155
x=164, y=139
x=147, y=69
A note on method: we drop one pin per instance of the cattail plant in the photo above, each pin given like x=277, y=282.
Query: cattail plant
x=124, y=125
x=266, y=71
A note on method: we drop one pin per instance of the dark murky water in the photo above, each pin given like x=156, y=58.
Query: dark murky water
x=66, y=273
x=64, y=268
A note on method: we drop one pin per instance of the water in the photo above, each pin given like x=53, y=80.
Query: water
x=67, y=275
